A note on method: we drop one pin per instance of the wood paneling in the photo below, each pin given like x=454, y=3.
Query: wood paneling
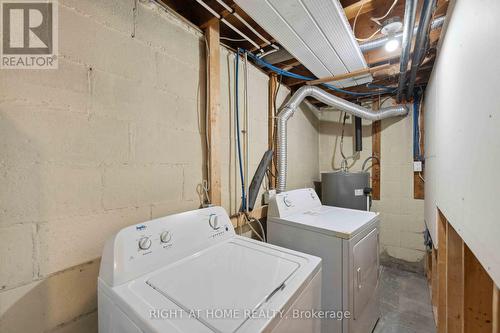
x=478, y=296
x=442, y=277
x=467, y=300
x=496, y=310
x=455, y=281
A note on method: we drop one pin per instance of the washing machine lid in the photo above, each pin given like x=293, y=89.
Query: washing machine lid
x=336, y=221
x=232, y=277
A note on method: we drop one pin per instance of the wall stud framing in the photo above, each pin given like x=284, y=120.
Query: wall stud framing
x=214, y=135
x=464, y=297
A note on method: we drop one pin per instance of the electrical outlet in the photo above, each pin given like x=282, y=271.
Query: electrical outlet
x=417, y=166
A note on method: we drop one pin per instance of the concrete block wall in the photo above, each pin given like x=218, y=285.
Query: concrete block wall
x=402, y=216
x=114, y=137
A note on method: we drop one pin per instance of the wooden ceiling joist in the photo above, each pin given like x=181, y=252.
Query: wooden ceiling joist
x=352, y=10
x=377, y=59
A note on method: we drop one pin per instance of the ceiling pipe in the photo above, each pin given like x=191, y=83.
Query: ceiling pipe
x=409, y=22
x=420, y=43
x=287, y=111
x=380, y=42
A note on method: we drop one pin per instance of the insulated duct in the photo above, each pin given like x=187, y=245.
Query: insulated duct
x=287, y=111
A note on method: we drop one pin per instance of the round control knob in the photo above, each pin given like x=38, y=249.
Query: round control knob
x=213, y=220
x=165, y=237
x=144, y=243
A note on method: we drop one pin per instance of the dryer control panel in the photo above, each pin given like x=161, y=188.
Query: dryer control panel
x=292, y=202
x=147, y=246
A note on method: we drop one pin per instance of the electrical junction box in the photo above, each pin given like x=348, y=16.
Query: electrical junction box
x=417, y=166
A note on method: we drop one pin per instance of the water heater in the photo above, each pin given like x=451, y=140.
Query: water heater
x=345, y=189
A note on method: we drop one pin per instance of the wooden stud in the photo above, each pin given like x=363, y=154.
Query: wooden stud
x=496, y=310
x=478, y=296
x=376, y=149
x=455, y=281
x=214, y=135
x=418, y=186
x=434, y=283
x=271, y=112
x=442, y=278
x=349, y=75
x=352, y=10
x=428, y=266
x=418, y=178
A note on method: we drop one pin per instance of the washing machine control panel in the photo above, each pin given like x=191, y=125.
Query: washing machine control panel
x=143, y=247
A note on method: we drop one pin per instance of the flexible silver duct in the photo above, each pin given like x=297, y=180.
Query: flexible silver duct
x=379, y=42
x=410, y=11
x=289, y=108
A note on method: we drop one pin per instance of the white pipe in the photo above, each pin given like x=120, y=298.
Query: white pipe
x=242, y=20
x=289, y=108
x=223, y=20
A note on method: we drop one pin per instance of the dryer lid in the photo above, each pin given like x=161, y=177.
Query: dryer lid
x=336, y=221
x=229, y=280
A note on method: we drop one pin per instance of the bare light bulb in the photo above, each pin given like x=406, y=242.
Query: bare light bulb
x=391, y=45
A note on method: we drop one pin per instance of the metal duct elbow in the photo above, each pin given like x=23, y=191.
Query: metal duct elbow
x=287, y=111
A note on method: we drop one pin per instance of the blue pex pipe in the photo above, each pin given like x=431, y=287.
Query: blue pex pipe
x=237, y=117
x=280, y=71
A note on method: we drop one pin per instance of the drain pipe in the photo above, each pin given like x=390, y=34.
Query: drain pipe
x=420, y=41
x=409, y=22
x=287, y=111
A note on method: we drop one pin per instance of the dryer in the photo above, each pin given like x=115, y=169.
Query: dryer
x=348, y=242
x=191, y=273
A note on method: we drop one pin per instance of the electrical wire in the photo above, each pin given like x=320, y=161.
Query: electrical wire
x=247, y=133
x=373, y=157
x=249, y=220
x=354, y=26
x=283, y=72
x=237, y=111
x=377, y=19
x=206, y=182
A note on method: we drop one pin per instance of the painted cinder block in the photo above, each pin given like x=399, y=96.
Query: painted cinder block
x=109, y=50
x=59, y=137
x=86, y=323
x=44, y=305
x=113, y=14
x=67, y=242
x=64, y=90
x=16, y=254
x=141, y=185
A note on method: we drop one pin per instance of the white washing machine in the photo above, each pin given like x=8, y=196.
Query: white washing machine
x=348, y=242
x=191, y=273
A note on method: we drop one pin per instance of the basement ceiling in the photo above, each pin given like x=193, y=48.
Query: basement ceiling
x=365, y=9
x=315, y=32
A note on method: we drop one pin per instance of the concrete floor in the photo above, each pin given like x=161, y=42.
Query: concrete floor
x=405, y=303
